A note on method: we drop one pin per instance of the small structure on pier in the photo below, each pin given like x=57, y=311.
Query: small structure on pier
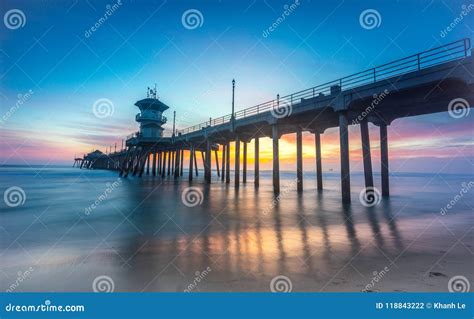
x=151, y=117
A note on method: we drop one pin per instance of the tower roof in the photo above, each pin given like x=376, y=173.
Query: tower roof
x=152, y=103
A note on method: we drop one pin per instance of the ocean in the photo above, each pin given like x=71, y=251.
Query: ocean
x=66, y=229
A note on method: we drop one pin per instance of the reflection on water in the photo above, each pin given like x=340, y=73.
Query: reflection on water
x=146, y=239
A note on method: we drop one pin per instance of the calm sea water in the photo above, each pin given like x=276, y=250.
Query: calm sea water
x=147, y=235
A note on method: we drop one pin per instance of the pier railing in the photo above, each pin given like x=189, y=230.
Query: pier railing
x=439, y=55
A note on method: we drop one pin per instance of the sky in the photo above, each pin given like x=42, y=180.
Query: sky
x=62, y=58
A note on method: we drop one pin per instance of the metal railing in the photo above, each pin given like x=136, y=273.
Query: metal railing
x=442, y=54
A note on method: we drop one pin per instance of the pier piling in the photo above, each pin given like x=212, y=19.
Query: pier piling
x=299, y=159
x=384, y=159
x=345, y=164
x=276, y=160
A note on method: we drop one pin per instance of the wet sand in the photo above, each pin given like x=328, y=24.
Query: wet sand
x=144, y=237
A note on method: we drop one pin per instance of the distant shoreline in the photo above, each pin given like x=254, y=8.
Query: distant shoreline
x=310, y=171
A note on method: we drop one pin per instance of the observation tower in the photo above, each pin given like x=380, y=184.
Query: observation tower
x=151, y=116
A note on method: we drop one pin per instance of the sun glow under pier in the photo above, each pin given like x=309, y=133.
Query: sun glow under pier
x=427, y=82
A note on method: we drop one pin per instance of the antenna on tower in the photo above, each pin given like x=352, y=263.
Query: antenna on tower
x=148, y=91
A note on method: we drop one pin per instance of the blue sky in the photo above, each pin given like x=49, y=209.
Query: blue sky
x=145, y=42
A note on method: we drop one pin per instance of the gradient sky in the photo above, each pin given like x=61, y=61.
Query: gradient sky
x=145, y=42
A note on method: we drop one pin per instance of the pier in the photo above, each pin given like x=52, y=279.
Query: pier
x=423, y=83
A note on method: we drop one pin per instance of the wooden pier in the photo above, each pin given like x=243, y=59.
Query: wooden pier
x=422, y=83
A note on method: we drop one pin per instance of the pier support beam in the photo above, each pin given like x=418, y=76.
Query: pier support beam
x=244, y=164
x=153, y=167
x=207, y=162
x=169, y=163
x=217, y=163
x=227, y=163
x=182, y=162
x=364, y=134
x=319, y=169
x=276, y=160
x=148, y=164
x=384, y=159
x=163, y=170
x=160, y=156
x=223, y=162
x=237, y=162
x=195, y=162
x=345, y=164
x=191, y=162
x=177, y=166
x=257, y=163
x=299, y=159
